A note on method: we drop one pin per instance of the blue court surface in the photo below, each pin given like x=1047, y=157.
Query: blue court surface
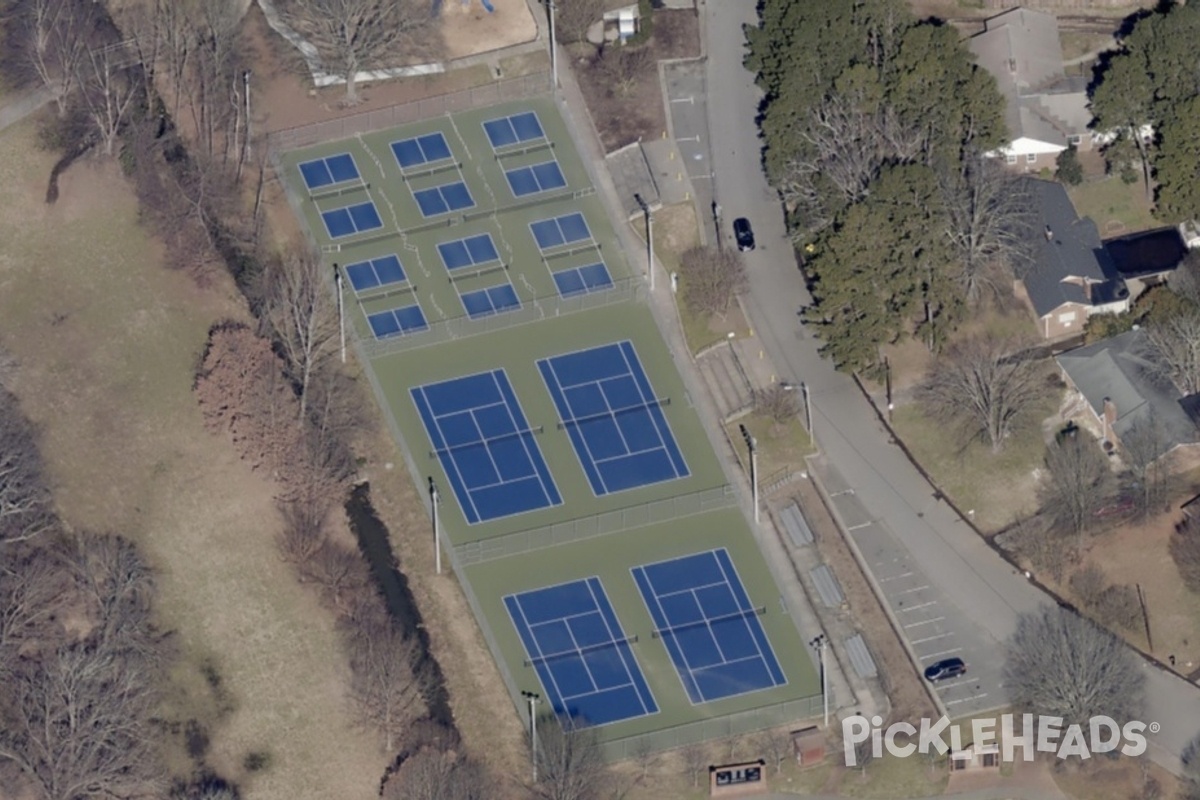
x=421, y=150
x=357, y=218
x=374, y=273
x=505, y=131
x=616, y=424
x=543, y=177
x=328, y=171
x=582, y=280
x=492, y=300
x=581, y=654
x=486, y=446
x=397, y=322
x=557, y=231
x=444, y=199
x=709, y=626
x=469, y=252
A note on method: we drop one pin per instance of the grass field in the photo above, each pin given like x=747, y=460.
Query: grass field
x=106, y=338
x=1116, y=208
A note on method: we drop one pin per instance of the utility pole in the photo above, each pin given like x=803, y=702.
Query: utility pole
x=820, y=643
x=808, y=412
x=752, y=444
x=553, y=48
x=649, y=237
x=533, y=698
x=246, y=89
x=337, y=280
x=435, y=500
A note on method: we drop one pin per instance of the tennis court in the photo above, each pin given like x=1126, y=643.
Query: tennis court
x=572, y=638
x=397, y=321
x=322, y=172
x=482, y=439
x=420, y=150
x=469, y=252
x=357, y=218
x=490, y=300
x=558, y=231
x=536, y=178
x=514, y=129
x=606, y=404
x=376, y=272
x=453, y=196
x=711, y=630
x=582, y=280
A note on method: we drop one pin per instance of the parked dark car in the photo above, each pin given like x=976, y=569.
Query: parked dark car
x=743, y=234
x=945, y=669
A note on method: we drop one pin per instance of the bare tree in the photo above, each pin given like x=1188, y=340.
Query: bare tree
x=1078, y=483
x=1141, y=450
x=985, y=384
x=303, y=533
x=570, y=765
x=778, y=402
x=107, y=89
x=56, y=33
x=1185, y=280
x=1191, y=770
x=989, y=223
x=77, y=725
x=1061, y=664
x=33, y=590
x=1173, y=346
x=386, y=688
x=1185, y=552
x=300, y=312
x=116, y=585
x=1041, y=543
x=431, y=774
x=624, y=66
x=695, y=761
x=1088, y=584
x=775, y=745
x=356, y=35
x=25, y=500
x=711, y=279
x=574, y=17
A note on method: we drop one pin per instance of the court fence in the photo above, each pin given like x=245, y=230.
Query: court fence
x=609, y=522
x=502, y=91
x=738, y=723
x=623, y=290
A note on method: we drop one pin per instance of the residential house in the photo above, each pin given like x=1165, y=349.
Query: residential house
x=1122, y=390
x=1045, y=109
x=1071, y=276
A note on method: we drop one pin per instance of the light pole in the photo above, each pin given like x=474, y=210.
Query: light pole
x=337, y=279
x=819, y=643
x=649, y=237
x=533, y=698
x=246, y=87
x=753, y=446
x=435, y=500
x=808, y=412
x=553, y=48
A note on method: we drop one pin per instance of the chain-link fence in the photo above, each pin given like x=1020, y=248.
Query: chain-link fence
x=476, y=97
x=622, y=519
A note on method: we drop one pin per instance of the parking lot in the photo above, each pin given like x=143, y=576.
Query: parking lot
x=686, y=92
x=932, y=629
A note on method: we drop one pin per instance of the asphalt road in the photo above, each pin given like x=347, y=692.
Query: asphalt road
x=908, y=531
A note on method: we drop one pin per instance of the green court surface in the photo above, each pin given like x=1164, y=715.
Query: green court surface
x=587, y=534
x=611, y=558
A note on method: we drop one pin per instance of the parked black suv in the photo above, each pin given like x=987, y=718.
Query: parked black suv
x=743, y=234
x=945, y=669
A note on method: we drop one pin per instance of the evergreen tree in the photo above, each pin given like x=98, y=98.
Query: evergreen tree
x=1070, y=171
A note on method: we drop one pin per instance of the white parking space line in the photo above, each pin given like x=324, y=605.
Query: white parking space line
x=914, y=589
x=941, y=653
x=916, y=642
x=952, y=684
x=895, y=577
x=861, y=526
x=688, y=139
x=918, y=606
x=923, y=622
x=688, y=99
x=966, y=699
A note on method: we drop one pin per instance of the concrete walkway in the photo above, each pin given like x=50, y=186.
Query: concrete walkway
x=21, y=107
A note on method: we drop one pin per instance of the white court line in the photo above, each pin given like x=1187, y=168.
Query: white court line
x=915, y=642
x=919, y=605
x=923, y=622
x=942, y=653
x=966, y=699
x=915, y=589
x=895, y=577
x=863, y=525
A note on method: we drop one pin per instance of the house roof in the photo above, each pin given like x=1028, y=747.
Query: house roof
x=1118, y=369
x=1021, y=49
x=1147, y=253
x=1067, y=255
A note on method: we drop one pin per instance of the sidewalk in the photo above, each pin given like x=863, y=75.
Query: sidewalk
x=18, y=109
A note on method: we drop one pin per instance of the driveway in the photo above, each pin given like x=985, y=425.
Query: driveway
x=977, y=594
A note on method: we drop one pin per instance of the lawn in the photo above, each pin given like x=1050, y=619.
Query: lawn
x=781, y=447
x=106, y=338
x=999, y=487
x=1116, y=208
x=892, y=778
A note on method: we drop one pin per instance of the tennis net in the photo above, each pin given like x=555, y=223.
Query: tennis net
x=488, y=442
x=743, y=614
x=580, y=652
x=615, y=412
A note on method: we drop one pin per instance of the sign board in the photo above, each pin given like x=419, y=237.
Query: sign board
x=731, y=780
